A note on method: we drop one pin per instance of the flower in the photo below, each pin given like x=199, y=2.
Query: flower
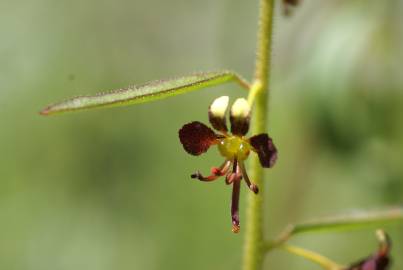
x=380, y=259
x=197, y=138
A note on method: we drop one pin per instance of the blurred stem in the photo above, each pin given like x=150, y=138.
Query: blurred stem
x=258, y=97
x=324, y=262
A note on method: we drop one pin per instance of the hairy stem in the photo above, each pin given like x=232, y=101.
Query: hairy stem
x=258, y=97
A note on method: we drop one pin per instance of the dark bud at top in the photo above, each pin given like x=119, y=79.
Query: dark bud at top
x=216, y=113
x=240, y=117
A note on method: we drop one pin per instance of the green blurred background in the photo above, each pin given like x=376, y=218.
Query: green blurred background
x=110, y=189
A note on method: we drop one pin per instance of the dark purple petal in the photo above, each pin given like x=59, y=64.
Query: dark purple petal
x=264, y=147
x=196, y=138
x=380, y=260
x=374, y=262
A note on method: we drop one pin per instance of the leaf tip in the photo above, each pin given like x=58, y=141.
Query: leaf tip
x=46, y=111
x=49, y=110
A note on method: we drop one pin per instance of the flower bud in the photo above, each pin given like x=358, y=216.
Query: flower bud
x=217, y=112
x=240, y=117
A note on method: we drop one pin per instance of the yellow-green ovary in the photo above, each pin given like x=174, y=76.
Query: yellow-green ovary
x=234, y=146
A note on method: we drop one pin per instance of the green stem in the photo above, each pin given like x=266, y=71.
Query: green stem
x=258, y=97
x=324, y=262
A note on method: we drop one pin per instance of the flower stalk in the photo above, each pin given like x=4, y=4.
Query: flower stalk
x=317, y=258
x=258, y=98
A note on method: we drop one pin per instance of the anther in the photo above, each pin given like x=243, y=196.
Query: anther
x=235, y=228
x=199, y=176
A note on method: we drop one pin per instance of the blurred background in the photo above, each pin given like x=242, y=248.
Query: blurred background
x=110, y=189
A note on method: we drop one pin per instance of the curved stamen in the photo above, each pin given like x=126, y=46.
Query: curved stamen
x=222, y=170
x=250, y=185
x=215, y=172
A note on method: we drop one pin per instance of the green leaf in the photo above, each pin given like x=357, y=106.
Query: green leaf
x=145, y=93
x=350, y=222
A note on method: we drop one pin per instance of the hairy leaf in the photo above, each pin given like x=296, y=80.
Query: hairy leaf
x=145, y=93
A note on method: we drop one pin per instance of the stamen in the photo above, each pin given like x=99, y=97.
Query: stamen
x=215, y=172
x=222, y=170
x=199, y=176
x=250, y=185
x=230, y=178
x=235, y=174
x=235, y=166
x=235, y=206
